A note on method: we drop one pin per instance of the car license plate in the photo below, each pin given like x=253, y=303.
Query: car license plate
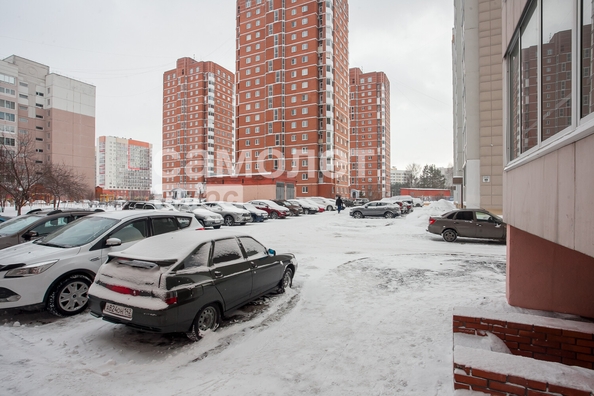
x=116, y=310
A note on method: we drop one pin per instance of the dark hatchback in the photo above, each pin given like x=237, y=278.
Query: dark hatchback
x=186, y=283
x=469, y=223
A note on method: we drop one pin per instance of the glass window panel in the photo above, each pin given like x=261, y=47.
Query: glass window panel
x=556, y=46
x=529, y=81
x=515, y=109
x=586, y=57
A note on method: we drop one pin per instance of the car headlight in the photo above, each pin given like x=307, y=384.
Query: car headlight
x=30, y=270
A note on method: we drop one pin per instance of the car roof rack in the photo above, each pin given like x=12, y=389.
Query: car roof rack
x=33, y=211
x=54, y=212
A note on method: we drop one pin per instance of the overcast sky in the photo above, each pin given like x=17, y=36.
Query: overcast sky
x=123, y=48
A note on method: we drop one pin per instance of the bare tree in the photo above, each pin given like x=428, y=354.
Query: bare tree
x=21, y=171
x=412, y=174
x=62, y=181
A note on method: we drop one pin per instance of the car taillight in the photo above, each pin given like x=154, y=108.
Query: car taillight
x=170, y=298
x=122, y=290
x=200, y=229
x=431, y=220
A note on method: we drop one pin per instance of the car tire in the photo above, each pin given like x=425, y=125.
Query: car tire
x=241, y=223
x=449, y=235
x=388, y=215
x=358, y=215
x=274, y=215
x=329, y=208
x=69, y=296
x=286, y=281
x=216, y=227
x=208, y=318
x=229, y=221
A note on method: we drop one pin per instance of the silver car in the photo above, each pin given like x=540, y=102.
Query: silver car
x=205, y=216
x=231, y=214
x=376, y=209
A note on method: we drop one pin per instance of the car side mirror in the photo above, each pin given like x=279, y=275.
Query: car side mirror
x=27, y=236
x=272, y=252
x=113, y=242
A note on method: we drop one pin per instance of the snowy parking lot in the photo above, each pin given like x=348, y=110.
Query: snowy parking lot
x=370, y=313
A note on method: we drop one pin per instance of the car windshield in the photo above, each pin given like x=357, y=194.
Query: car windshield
x=249, y=206
x=79, y=232
x=227, y=205
x=17, y=224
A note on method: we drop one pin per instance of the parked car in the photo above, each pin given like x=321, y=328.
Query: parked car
x=274, y=210
x=36, y=224
x=258, y=215
x=294, y=210
x=320, y=207
x=185, y=283
x=4, y=218
x=329, y=204
x=132, y=205
x=206, y=217
x=360, y=201
x=56, y=271
x=376, y=209
x=231, y=215
x=470, y=223
x=308, y=207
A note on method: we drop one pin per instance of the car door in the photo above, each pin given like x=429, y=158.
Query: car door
x=231, y=272
x=128, y=233
x=464, y=223
x=370, y=209
x=487, y=226
x=266, y=270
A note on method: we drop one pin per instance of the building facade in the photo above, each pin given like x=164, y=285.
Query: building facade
x=292, y=93
x=549, y=135
x=124, y=168
x=477, y=98
x=398, y=175
x=370, y=134
x=56, y=112
x=198, y=125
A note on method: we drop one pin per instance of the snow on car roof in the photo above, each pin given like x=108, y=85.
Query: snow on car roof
x=174, y=245
x=124, y=214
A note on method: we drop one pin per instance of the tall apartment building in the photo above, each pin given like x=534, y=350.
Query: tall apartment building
x=478, y=111
x=370, y=134
x=124, y=168
x=292, y=92
x=56, y=112
x=398, y=176
x=198, y=125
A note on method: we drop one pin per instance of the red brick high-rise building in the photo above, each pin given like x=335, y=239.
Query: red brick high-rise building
x=198, y=125
x=370, y=134
x=292, y=92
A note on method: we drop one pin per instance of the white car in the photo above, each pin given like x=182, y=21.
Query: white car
x=56, y=271
x=328, y=203
x=231, y=214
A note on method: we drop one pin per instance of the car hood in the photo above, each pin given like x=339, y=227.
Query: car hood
x=30, y=253
x=358, y=207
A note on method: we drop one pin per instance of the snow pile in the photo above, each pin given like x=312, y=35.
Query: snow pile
x=420, y=216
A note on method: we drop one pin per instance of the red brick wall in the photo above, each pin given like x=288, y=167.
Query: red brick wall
x=543, y=343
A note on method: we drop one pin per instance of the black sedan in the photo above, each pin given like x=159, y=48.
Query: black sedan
x=469, y=223
x=185, y=283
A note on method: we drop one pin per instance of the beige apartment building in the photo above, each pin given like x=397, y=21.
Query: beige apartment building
x=478, y=112
x=292, y=87
x=370, y=134
x=198, y=126
x=548, y=182
x=56, y=111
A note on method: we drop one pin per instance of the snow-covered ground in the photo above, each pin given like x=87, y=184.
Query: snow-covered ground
x=370, y=313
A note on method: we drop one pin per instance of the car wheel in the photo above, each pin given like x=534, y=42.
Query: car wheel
x=241, y=223
x=358, y=215
x=449, y=235
x=208, y=318
x=216, y=227
x=329, y=208
x=274, y=215
x=229, y=221
x=286, y=281
x=388, y=215
x=70, y=296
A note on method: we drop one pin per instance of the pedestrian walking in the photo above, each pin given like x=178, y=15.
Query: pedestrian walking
x=339, y=205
